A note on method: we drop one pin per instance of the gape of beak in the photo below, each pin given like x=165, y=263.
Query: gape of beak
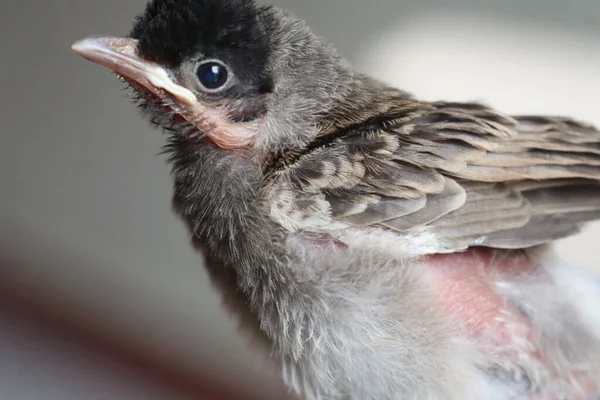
x=120, y=55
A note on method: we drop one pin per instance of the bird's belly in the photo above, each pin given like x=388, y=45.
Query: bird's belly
x=528, y=336
x=485, y=289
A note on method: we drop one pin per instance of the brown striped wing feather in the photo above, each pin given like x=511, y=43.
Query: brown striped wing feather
x=463, y=171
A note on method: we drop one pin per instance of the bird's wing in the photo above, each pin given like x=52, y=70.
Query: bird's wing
x=462, y=171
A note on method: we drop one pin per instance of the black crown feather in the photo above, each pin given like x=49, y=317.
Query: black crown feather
x=171, y=31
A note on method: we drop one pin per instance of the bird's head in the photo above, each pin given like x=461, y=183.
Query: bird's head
x=241, y=89
x=233, y=74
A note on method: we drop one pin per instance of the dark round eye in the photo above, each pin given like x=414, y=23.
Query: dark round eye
x=212, y=75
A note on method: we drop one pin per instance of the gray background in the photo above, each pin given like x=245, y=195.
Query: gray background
x=86, y=228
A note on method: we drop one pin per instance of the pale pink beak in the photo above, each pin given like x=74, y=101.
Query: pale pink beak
x=120, y=55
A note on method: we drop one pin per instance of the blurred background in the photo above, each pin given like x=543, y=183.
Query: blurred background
x=101, y=296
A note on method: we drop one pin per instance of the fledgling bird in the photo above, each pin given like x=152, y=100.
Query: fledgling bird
x=389, y=248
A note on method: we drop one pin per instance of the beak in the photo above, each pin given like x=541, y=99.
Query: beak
x=120, y=55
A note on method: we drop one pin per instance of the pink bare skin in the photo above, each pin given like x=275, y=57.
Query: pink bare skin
x=468, y=281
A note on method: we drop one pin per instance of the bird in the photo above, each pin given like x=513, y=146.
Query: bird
x=386, y=247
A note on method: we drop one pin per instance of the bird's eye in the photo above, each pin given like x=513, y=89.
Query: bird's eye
x=212, y=75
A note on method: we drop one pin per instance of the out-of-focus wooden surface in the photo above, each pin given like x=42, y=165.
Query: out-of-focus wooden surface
x=46, y=356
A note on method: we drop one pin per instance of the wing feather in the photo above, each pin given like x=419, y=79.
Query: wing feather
x=462, y=171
